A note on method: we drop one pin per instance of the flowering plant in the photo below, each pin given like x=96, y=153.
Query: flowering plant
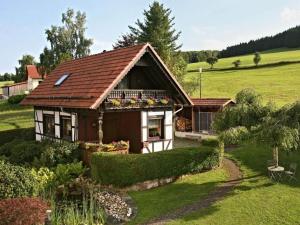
x=115, y=146
x=164, y=100
x=133, y=100
x=116, y=102
x=150, y=101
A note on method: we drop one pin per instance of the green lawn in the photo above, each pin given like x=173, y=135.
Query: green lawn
x=156, y=202
x=279, y=84
x=15, y=116
x=256, y=201
x=3, y=83
x=272, y=56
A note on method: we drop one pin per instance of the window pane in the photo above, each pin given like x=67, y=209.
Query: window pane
x=49, y=126
x=154, y=126
x=66, y=128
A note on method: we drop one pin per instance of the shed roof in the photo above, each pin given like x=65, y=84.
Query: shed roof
x=214, y=102
x=91, y=79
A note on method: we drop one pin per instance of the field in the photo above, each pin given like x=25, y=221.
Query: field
x=3, y=83
x=256, y=200
x=279, y=84
x=15, y=116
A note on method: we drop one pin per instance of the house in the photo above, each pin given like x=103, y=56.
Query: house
x=34, y=78
x=123, y=94
x=199, y=117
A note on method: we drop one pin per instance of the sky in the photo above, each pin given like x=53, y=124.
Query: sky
x=204, y=24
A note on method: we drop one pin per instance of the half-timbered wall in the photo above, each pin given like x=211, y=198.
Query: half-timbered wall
x=39, y=129
x=166, y=142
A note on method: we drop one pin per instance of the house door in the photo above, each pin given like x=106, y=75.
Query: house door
x=203, y=121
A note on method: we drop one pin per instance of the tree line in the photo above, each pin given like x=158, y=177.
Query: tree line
x=289, y=39
x=198, y=56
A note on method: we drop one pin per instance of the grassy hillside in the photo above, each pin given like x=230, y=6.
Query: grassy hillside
x=280, y=84
x=276, y=55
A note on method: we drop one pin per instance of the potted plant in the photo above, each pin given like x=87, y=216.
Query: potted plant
x=164, y=100
x=150, y=101
x=116, y=102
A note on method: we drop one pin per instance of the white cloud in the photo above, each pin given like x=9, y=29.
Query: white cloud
x=290, y=16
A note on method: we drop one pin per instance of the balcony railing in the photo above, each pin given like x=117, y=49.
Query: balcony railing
x=138, y=94
x=130, y=99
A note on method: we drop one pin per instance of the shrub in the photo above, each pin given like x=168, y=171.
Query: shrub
x=25, y=211
x=20, y=151
x=15, y=181
x=16, y=99
x=44, y=179
x=22, y=133
x=234, y=136
x=211, y=142
x=55, y=153
x=66, y=172
x=124, y=170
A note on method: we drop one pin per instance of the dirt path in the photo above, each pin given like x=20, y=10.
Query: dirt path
x=219, y=193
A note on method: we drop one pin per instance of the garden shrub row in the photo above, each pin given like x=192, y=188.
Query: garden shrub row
x=125, y=170
x=16, y=99
x=21, y=133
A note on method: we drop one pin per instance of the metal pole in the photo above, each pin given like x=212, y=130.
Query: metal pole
x=200, y=82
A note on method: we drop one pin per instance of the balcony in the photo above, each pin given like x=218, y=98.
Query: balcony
x=134, y=98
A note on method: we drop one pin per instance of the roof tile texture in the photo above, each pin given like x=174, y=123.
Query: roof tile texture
x=90, y=77
x=211, y=101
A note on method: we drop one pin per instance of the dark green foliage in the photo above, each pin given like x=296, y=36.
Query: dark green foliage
x=210, y=142
x=289, y=39
x=67, y=41
x=21, y=152
x=15, y=181
x=124, y=170
x=211, y=60
x=22, y=133
x=16, y=99
x=236, y=63
x=198, y=56
x=21, y=72
x=7, y=77
x=40, y=154
x=256, y=58
x=55, y=153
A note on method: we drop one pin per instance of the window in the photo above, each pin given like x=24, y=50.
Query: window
x=48, y=124
x=66, y=127
x=155, y=128
x=61, y=80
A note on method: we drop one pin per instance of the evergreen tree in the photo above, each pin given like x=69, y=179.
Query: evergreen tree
x=66, y=42
x=21, y=73
x=126, y=40
x=256, y=58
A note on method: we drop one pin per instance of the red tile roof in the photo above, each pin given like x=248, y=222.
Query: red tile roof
x=90, y=79
x=32, y=72
x=219, y=102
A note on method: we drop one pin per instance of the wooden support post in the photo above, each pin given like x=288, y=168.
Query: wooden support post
x=193, y=119
x=100, y=121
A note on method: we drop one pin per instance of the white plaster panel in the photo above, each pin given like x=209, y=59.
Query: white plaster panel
x=48, y=112
x=156, y=113
x=144, y=119
x=158, y=146
x=65, y=114
x=168, y=132
x=169, y=118
x=56, y=118
x=57, y=131
x=39, y=115
x=170, y=146
x=38, y=137
x=145, y=150
x=144, y=134
x=39, y=127
x=73, y=120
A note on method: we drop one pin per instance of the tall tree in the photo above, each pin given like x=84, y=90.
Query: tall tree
x=67, y=41
x=256, y=58
x=126, y=40
x=21, y=73
x=211, y=60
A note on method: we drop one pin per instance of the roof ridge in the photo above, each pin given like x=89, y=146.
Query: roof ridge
x=103, y=52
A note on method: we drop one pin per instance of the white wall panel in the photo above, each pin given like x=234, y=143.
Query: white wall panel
x=39, y=127
x=39, y=115
x=144, y=119
x=48, y=112
x=158, y=146
x=57, y=131
x=144, y=134
x=56, y=118
x=168, y=117
x=38, y=137
x=168, y=132
x=156, y=113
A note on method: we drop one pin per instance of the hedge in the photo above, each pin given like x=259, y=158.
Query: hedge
x=125, y=170
x=15, y=99
x=22, y=133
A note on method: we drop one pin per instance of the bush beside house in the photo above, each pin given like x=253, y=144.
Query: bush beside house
x=125, y=170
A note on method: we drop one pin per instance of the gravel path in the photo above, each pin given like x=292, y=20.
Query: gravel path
x=235, y=177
